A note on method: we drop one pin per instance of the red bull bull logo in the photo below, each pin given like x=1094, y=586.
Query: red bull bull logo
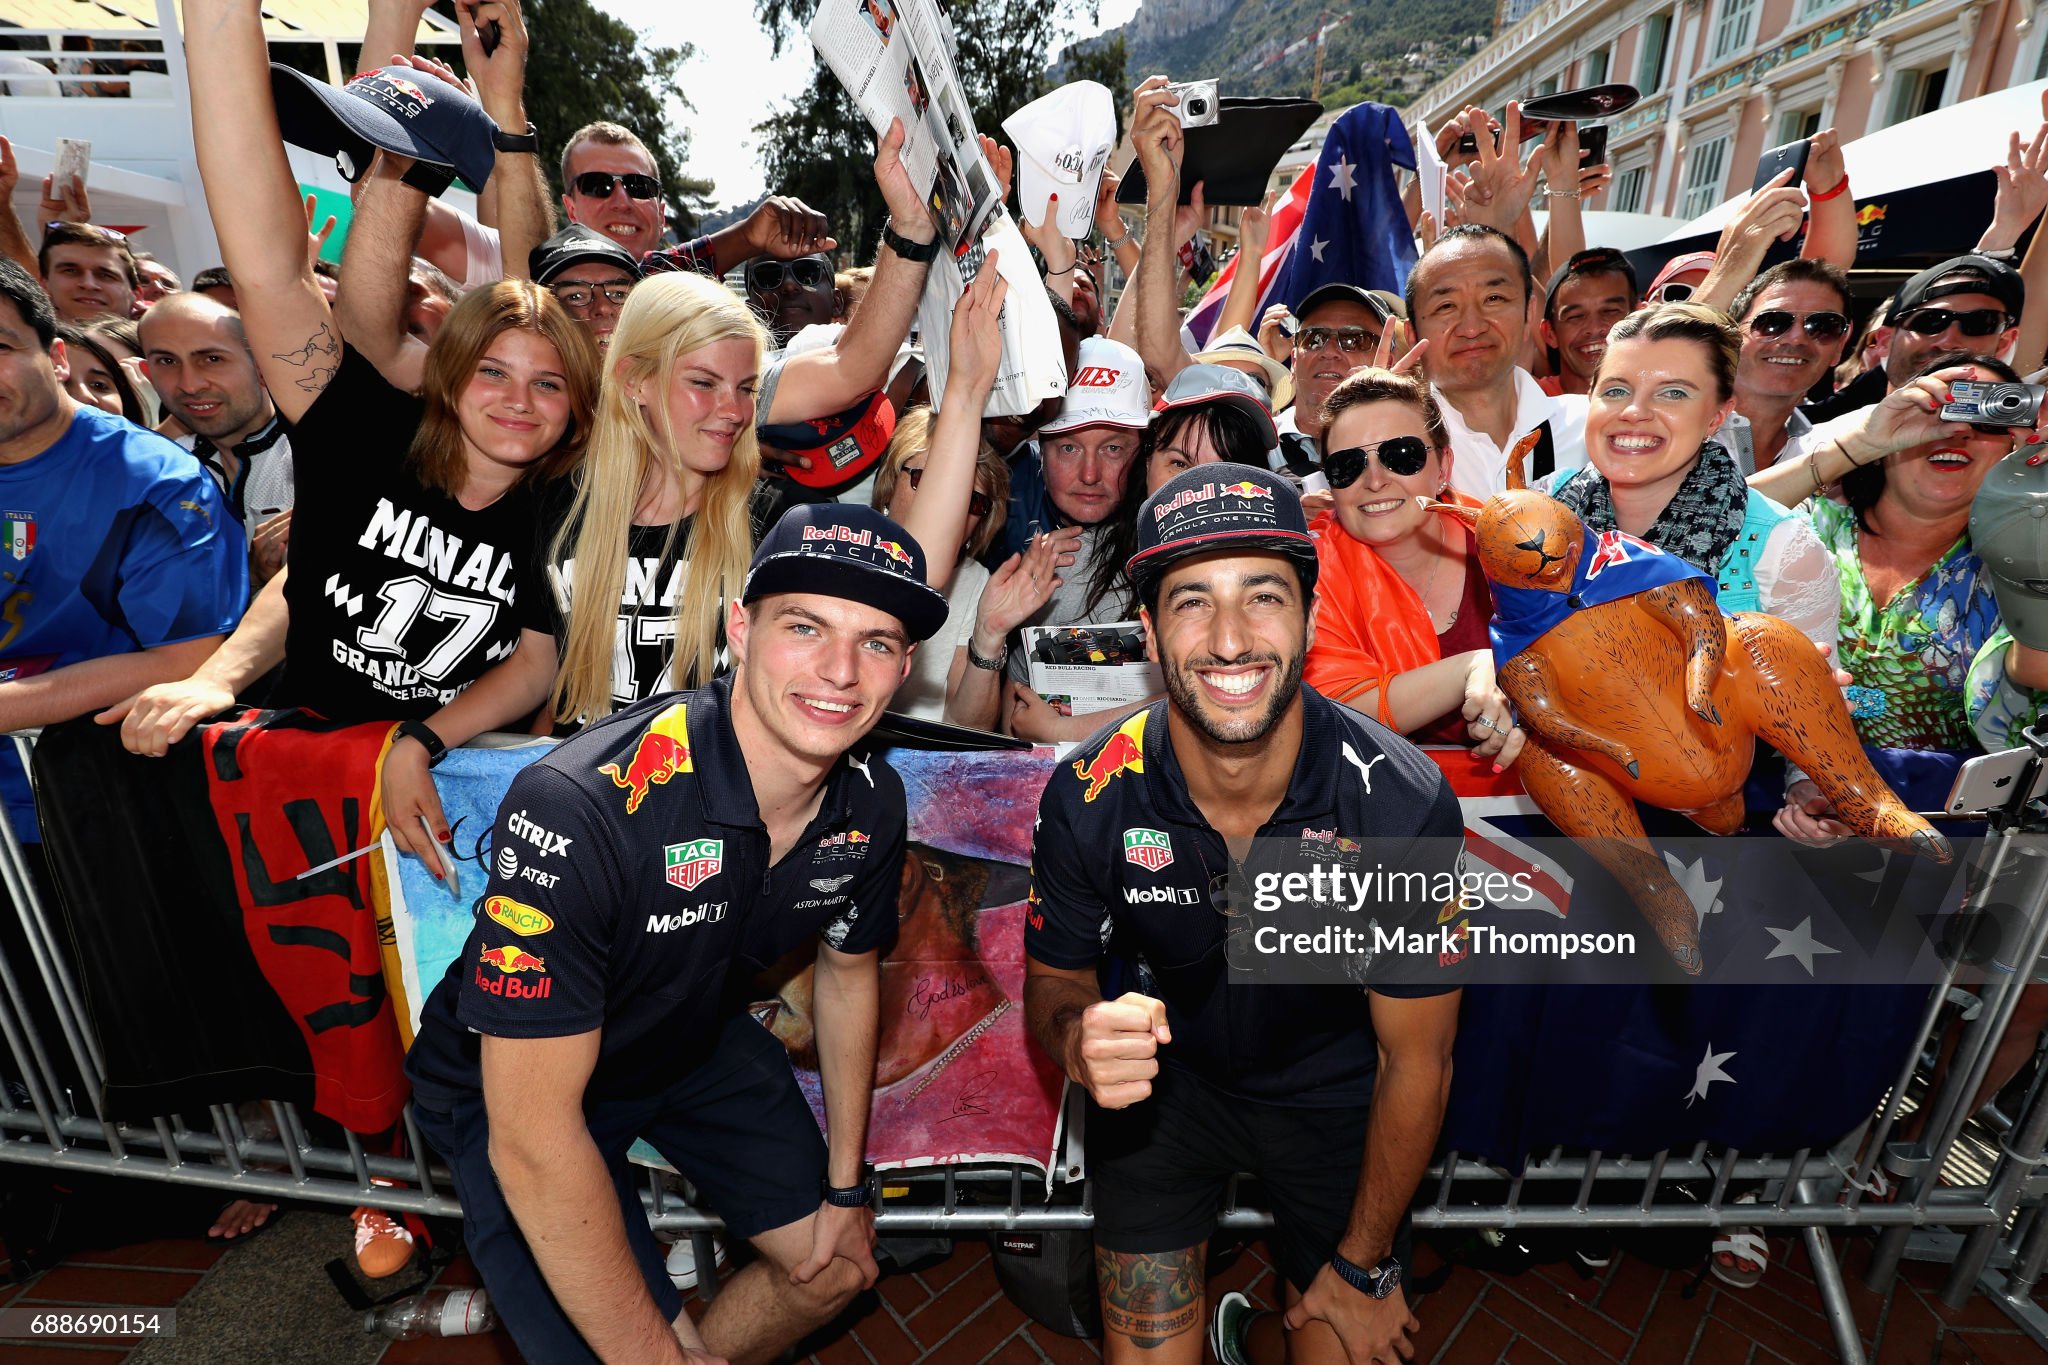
x=1868, y=214
x=894, y=551
x=663, y=751
x=1124, y=751
x=510, y=962
x=854, y=836
x=1245, y=488
x=692, y=864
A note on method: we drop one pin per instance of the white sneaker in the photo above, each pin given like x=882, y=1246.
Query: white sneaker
x=682, y=1260
x=1226, y=1327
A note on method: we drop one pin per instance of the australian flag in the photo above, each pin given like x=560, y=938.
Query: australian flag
x=1355, y=230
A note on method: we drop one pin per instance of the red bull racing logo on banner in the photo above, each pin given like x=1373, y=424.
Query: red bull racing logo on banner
x=1151, y=849
x=510, y=963
x=691, y=865
x=1125, y=751
x=663, y=751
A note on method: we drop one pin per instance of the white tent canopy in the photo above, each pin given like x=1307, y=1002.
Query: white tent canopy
x=1959, y=140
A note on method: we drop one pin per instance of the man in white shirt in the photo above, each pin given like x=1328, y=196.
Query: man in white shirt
x=1472, y=298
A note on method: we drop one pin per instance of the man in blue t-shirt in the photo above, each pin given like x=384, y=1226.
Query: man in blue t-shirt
x=120, y=566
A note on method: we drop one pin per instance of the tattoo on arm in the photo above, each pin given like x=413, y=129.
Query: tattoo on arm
x=321, y=352
x=1150, y=1298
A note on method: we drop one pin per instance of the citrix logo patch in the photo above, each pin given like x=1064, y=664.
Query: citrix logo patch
x=548, y=843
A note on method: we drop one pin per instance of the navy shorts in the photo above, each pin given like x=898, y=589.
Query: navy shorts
x=1159, y=1169
x=736, y=1127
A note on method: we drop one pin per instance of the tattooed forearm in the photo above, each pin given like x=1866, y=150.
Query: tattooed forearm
x=1150, y=1298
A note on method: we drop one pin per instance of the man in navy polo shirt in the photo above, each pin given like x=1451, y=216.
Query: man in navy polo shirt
x=1192, y=1073
x=643, y=874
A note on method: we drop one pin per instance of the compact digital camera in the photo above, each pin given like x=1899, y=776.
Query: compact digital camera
x=1993, y=407
x=1198, y=107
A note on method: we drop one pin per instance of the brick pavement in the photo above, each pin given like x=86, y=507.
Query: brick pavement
x=951, y=1312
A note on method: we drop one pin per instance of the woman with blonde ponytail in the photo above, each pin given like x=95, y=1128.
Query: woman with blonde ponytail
x=642, y=545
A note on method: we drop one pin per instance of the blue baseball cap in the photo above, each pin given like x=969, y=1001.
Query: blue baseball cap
x=855, y=553
x=1223, y=507
x=397, y=108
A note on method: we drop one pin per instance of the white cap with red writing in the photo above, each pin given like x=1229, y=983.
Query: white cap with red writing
x=1108, y=389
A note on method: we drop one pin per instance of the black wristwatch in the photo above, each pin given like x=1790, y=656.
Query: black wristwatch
x=528, y=141
x=858, y=1196
x=1383, y=1279
x=424, y=733
x=921, y=253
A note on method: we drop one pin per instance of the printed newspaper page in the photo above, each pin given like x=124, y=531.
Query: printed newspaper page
x=1089, y=668
x=894, y=59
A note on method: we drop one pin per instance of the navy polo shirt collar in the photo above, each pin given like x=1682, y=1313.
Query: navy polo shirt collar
x=1311, y=794
x=724, y=785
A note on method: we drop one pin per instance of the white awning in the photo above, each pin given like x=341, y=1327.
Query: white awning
x=1962, y=139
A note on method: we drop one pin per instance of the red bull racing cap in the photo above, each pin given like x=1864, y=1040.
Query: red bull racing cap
x=398, y=108
x=830, y=549
x=1213, y=507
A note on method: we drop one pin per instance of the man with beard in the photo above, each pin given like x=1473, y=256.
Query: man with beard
x=1795, y=321
x=200, y=365
x=1190, y=1081
x=1471, y=297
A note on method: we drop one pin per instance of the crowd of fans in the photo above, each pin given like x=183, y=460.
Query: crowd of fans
x=537, y=461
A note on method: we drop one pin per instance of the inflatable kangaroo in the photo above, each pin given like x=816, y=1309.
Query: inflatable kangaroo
x=1640, y=689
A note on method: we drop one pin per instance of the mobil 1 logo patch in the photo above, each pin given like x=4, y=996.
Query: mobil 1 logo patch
x=1151, y=849
x=690, y=865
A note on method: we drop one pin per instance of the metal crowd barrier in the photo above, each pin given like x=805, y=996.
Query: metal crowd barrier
x=1994, y=1232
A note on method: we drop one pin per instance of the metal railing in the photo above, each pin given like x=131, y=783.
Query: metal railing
x=1993, y=1232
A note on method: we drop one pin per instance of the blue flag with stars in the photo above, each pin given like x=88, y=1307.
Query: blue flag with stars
x=1355, y=230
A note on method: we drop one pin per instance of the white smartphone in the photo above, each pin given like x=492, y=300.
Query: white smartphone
x=1986, y=783
x=74, y=158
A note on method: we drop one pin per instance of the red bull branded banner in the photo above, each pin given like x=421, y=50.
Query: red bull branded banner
x=664, y=751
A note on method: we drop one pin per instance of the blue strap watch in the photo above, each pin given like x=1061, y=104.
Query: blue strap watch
x=1379, y=1282
x=857, y=1196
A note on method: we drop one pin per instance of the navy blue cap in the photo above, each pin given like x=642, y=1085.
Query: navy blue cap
x=398, y=108
x=831, y=549
x=577, y=245
x=1231, y=507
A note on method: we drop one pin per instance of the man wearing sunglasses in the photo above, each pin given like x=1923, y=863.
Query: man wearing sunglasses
x=1338, y=331
x=1795, y=322
x=1968, y=305
x=791, y=295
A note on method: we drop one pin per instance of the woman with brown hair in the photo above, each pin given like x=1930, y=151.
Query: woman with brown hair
x=1402, y=608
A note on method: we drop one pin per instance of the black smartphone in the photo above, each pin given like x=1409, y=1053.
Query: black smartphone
x=1592, y=145
x=1469, y=144
x=1775, y=162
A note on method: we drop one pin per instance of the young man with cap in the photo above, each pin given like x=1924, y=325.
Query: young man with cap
x=589, y=274
x=1193, y=1074
x=680, y=845
x=1588, y=294
x=1471, y=299
x=1795, y=322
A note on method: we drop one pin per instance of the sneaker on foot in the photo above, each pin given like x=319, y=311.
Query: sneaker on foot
x=383, y=1244
x=1226, y=1328
x=682, y=1260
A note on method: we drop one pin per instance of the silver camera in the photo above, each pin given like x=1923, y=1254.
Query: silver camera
x=1992, y=406
x=1198, y=107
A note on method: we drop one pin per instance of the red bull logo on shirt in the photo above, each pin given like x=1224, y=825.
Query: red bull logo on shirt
x=506, y=985
x=663, y=751
x=1125, y=751
x=692, y=864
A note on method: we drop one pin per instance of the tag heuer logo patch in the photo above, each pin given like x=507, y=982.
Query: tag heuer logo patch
x=691, y=865
x=1150, y=849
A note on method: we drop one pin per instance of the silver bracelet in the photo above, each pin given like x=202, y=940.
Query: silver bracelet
x=1113, y=243
x=1561, y=194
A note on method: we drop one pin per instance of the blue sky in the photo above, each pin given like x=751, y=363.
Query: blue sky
x=734, y=81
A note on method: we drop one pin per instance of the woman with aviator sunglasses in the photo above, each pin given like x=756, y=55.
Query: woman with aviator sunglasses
x=1400, y=625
